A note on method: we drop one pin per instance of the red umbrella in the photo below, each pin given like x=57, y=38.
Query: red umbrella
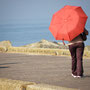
x=68, y=22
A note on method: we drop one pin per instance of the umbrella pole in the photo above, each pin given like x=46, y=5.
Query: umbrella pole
x=63, y=42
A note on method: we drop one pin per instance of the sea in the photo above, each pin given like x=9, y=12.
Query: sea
x=23, y=34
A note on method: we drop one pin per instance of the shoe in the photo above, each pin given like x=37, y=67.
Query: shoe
x=74, y=75
x=79, y=76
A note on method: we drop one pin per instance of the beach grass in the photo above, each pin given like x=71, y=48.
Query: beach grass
x=8, y=84
x=43, y=51
x=6, y=46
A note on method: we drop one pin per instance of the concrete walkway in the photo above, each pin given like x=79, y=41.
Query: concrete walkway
x=53, y=70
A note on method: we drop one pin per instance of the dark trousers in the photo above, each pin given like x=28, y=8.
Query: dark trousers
x=76, y=51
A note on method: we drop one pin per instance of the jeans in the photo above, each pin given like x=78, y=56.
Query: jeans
x=77, y=50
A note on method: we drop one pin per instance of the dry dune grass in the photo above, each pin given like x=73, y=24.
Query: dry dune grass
x=43, y=51
x=8, y=84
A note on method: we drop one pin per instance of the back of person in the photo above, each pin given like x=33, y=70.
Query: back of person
x=78, y=39
x=76, y=48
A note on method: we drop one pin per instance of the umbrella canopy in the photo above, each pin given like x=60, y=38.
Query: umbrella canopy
x=68, y=22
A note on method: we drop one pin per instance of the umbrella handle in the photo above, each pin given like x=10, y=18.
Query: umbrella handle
x=63, y=42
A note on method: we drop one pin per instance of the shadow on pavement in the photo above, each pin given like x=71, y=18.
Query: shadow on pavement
x=7, y=63
x=1, y=67
x=87, y=76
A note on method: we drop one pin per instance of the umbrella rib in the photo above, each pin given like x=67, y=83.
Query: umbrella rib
x=67, y=32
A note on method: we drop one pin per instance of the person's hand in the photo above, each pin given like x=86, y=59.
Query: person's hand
x=86, y=31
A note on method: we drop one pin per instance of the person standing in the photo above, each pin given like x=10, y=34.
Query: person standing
x=76, y=48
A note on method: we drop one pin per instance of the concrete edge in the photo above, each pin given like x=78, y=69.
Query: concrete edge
x=8, y=84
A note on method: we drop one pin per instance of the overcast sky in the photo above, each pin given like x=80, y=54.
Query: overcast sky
x=36, y=11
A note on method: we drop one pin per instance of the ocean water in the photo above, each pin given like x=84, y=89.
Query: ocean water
x=20, y=35
x=23, y=35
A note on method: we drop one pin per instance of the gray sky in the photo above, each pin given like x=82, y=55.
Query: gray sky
x=36, y=11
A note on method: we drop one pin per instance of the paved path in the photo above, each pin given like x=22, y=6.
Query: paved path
x=53, y=70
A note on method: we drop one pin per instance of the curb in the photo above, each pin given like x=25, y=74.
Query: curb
x=8, y=84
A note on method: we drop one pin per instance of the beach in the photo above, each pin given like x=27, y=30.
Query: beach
x=46, y=69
